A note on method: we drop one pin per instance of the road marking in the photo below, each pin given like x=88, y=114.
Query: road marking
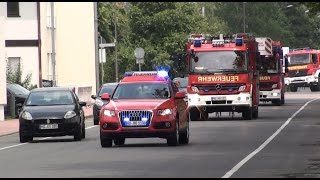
x=246, y=159
x=8, y=147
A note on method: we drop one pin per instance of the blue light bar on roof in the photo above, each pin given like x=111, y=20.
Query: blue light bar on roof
x=239, y=41
x=144, y=73
x=197, y=43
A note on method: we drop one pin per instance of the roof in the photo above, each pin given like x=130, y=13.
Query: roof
x=305, y=51
x=51, y=89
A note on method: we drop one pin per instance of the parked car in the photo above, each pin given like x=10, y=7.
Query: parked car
x=20, y=94
x=105, y=88
x=144, y=105
x=52, y=111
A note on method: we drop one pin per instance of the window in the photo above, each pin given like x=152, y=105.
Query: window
x=13, y=63
x=13, y=9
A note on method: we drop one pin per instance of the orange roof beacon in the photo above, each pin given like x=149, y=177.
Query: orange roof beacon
x=144, y=104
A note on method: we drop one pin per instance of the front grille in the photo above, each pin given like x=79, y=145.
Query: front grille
x=135, y=115
x=266, y=86
x=297, y=73
x=44, y=121
x=223, y=87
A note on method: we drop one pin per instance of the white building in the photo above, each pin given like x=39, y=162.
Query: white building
x=66, y=54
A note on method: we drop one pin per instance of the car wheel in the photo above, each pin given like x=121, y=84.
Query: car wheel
x=184, y=137
x=83, y=130
x=77, y=133
x=24, y=137
x=105, y=142
x=96, y=121
x=174, y=139
x=119, y=141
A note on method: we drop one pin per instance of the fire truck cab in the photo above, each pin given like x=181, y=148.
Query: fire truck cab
x=272, y=73
x=223, y=75
x=304, y=69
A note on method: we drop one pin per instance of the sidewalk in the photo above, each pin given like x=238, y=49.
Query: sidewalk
x=11, y=126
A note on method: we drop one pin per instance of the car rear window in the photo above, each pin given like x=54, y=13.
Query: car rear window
x=107, y=89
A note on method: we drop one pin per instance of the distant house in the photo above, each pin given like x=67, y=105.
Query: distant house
x=64, y=54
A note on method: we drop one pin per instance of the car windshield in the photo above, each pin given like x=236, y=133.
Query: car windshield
x=299, y=59
x=49, y=98
x=269, y=65
x=142, y=91
x=109, y=88
x=219, y=61
x=17, y=89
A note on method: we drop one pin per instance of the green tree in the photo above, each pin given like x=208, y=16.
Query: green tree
x=15, y=76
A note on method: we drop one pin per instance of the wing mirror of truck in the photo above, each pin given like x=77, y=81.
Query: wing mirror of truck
x=105, y=96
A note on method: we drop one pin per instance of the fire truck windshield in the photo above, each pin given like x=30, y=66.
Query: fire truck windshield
x=219, y=61
x=142, y=91
x=269, y=65
x=298, y=59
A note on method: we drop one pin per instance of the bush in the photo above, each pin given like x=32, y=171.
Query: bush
x=15, y=76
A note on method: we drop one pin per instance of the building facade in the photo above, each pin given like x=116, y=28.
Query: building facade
x=58, y=46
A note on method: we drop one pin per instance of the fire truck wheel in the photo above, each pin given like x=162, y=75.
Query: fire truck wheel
x=194, y=114
x=282, y=99
x=293, y=88
x=255, y=113
x=247, y=114
x=312, y=88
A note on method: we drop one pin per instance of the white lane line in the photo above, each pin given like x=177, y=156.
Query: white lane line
x=39, y=139
x=246, y=159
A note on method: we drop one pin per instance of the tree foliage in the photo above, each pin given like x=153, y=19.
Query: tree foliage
x=162, y=28
x=15, y=76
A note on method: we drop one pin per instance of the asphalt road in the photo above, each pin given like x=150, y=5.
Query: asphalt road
x=283, y=142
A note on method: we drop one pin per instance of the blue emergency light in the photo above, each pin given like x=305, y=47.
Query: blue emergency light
x=197, y=43
x=239, y=41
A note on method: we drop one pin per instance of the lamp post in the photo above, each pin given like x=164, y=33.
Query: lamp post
x=244, y=17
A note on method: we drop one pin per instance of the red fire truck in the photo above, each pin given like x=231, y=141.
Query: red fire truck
x=271, y=84
x=223, y=75
x=304, y=69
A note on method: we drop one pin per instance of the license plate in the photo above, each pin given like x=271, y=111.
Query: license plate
x=135, y=123
x=48, y=126
x=218, y=98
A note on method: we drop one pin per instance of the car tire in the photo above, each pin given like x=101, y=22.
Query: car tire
x=78, y=133
x=184, y=136
x=173, y=140
x=105, y=142
x=119, y=141
x=83, y=130
x=24, y=137
x=96, y=121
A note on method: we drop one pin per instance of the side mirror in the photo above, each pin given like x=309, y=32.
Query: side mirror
x=82, y=103
x=105, y=96
x=180, y=95
x=93, y=96
x=196, y=59
x=19, y=105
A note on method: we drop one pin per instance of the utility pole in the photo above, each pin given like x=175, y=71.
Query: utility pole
x=96, y=40
x=116, y=46
x=53, y=53
x=244, y=17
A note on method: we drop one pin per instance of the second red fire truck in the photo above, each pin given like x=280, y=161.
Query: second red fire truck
x=223, y=75
x=272, y=87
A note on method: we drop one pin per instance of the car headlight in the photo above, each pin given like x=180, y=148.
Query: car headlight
x=164, y=112
x=70, y=114
x=98, y=102
x=26, y=116
x=241, y=88
x=274, y=85
x=109, y=113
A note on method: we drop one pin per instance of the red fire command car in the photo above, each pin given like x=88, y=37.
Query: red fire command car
x=144, y=104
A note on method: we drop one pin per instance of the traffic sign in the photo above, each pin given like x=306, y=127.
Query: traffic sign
x=107, y=45
x=139, y=53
